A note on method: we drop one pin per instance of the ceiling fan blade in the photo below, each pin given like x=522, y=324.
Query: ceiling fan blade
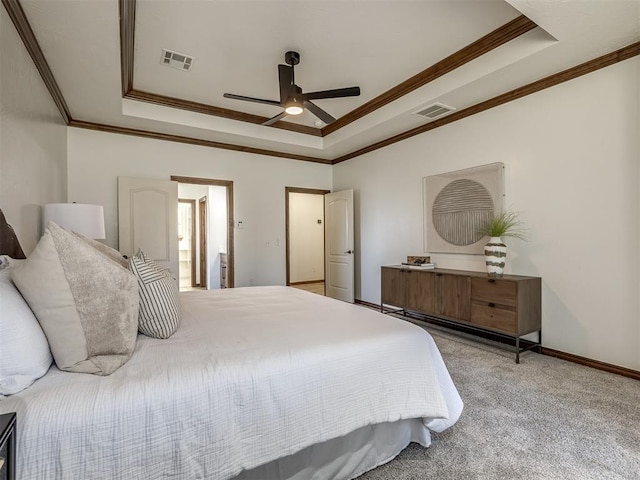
x=318, y=112
x=251, y=99
x=285, y=80
x=273, y=120
x=336, y=93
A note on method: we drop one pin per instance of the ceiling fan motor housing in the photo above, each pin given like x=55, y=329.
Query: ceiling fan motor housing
x=292, y=58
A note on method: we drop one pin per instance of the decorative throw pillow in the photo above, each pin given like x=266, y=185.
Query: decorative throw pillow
x=86, y=304
x=24, y=351
x=159, y=299
x=111, y=253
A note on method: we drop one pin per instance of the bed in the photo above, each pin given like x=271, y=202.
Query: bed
x=256, y=383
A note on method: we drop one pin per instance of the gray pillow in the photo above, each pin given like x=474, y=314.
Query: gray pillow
x=86, y=304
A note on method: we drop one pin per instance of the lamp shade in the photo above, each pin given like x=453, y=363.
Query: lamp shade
x=78, y=217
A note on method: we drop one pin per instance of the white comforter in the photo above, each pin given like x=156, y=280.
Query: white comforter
x=251, y=375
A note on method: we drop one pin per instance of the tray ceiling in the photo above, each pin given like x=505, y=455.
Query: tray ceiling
x=377, y=45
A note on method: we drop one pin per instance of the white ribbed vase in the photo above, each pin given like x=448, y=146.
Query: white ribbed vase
x=495, y=254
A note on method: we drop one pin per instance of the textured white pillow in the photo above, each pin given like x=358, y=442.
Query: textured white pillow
x=111, y=253
x=86, y=304
x=159, y=299
x=24, y=351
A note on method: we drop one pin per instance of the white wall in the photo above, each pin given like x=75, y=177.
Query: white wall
x=33, y=140
x=572, y=155
x=217, y=240
x=306, y=237
x=96, y=159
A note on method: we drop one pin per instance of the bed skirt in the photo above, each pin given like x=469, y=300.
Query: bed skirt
x=345, y=457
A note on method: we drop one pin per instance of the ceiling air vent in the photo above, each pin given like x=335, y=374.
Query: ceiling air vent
x=176, y=60
x=434, y=110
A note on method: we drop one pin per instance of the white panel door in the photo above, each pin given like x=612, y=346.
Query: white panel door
x=148, y=219
x=339, y=256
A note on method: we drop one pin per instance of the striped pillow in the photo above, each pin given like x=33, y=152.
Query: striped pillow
x=159, y=300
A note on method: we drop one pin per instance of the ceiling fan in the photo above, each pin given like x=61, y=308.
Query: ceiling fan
x=291, y=96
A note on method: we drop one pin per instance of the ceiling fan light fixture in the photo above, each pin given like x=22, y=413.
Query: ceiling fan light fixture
x=292, y=108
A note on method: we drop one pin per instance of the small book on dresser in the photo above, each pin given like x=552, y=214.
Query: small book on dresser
x=420, y=266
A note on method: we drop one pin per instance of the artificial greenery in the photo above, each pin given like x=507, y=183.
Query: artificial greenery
x=505, y=225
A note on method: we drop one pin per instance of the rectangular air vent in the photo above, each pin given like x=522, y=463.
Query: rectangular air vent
x=176, y=60
x=434, y=110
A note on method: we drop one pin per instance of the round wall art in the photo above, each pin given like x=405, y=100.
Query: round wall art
x=458, y=204
x=460, y=211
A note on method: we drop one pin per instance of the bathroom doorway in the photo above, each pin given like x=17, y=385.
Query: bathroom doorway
x=212, y=242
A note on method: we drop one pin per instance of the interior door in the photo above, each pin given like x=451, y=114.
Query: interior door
x=339, y=257
x=148, y=219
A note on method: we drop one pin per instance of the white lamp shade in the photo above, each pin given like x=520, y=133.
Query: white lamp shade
x=78, y=217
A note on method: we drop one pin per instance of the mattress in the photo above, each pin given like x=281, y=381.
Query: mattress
x=252, y=375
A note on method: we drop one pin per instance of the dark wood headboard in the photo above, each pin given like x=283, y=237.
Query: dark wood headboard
x=9, y=244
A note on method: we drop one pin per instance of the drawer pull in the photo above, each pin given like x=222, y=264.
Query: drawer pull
x=492, y=305
x=492, y=280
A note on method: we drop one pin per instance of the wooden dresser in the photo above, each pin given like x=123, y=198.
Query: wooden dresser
x=509, y=305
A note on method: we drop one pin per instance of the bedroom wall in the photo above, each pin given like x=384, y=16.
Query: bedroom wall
x=571, y=155
x=96, y=159
x=33, y=140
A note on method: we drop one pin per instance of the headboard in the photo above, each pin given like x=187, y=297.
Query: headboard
x=9, y=244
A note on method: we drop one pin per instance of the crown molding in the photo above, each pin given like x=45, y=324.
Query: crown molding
x=19, y=19
x=216, y=111
x=550, y=81
x=193, y=141
x=498, y=37
x=127, y=10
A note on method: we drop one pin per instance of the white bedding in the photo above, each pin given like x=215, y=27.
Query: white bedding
x=252, y=374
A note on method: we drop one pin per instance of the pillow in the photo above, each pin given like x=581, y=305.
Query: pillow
x=24, y=351
x=86, y=304
x=111, y=253
x=159, y=299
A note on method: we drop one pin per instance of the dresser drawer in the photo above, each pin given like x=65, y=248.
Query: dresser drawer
x=492, y=290
x=489, y=315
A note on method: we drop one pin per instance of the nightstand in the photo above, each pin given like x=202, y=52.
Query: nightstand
x=7, y=446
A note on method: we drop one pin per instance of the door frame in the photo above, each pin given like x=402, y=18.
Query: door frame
x=287, y=191
x=204, y=264
x=193, y=238
x=228, y=184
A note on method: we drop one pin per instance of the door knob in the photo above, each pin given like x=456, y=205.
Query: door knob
x=349, y=252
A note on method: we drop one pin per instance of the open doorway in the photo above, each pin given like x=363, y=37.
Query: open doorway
x=212, y=217
x=304, y=219
x=187, y=243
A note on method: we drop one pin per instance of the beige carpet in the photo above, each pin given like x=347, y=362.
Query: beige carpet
x=542, y=419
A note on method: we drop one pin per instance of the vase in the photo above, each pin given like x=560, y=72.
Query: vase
x=495, y=254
